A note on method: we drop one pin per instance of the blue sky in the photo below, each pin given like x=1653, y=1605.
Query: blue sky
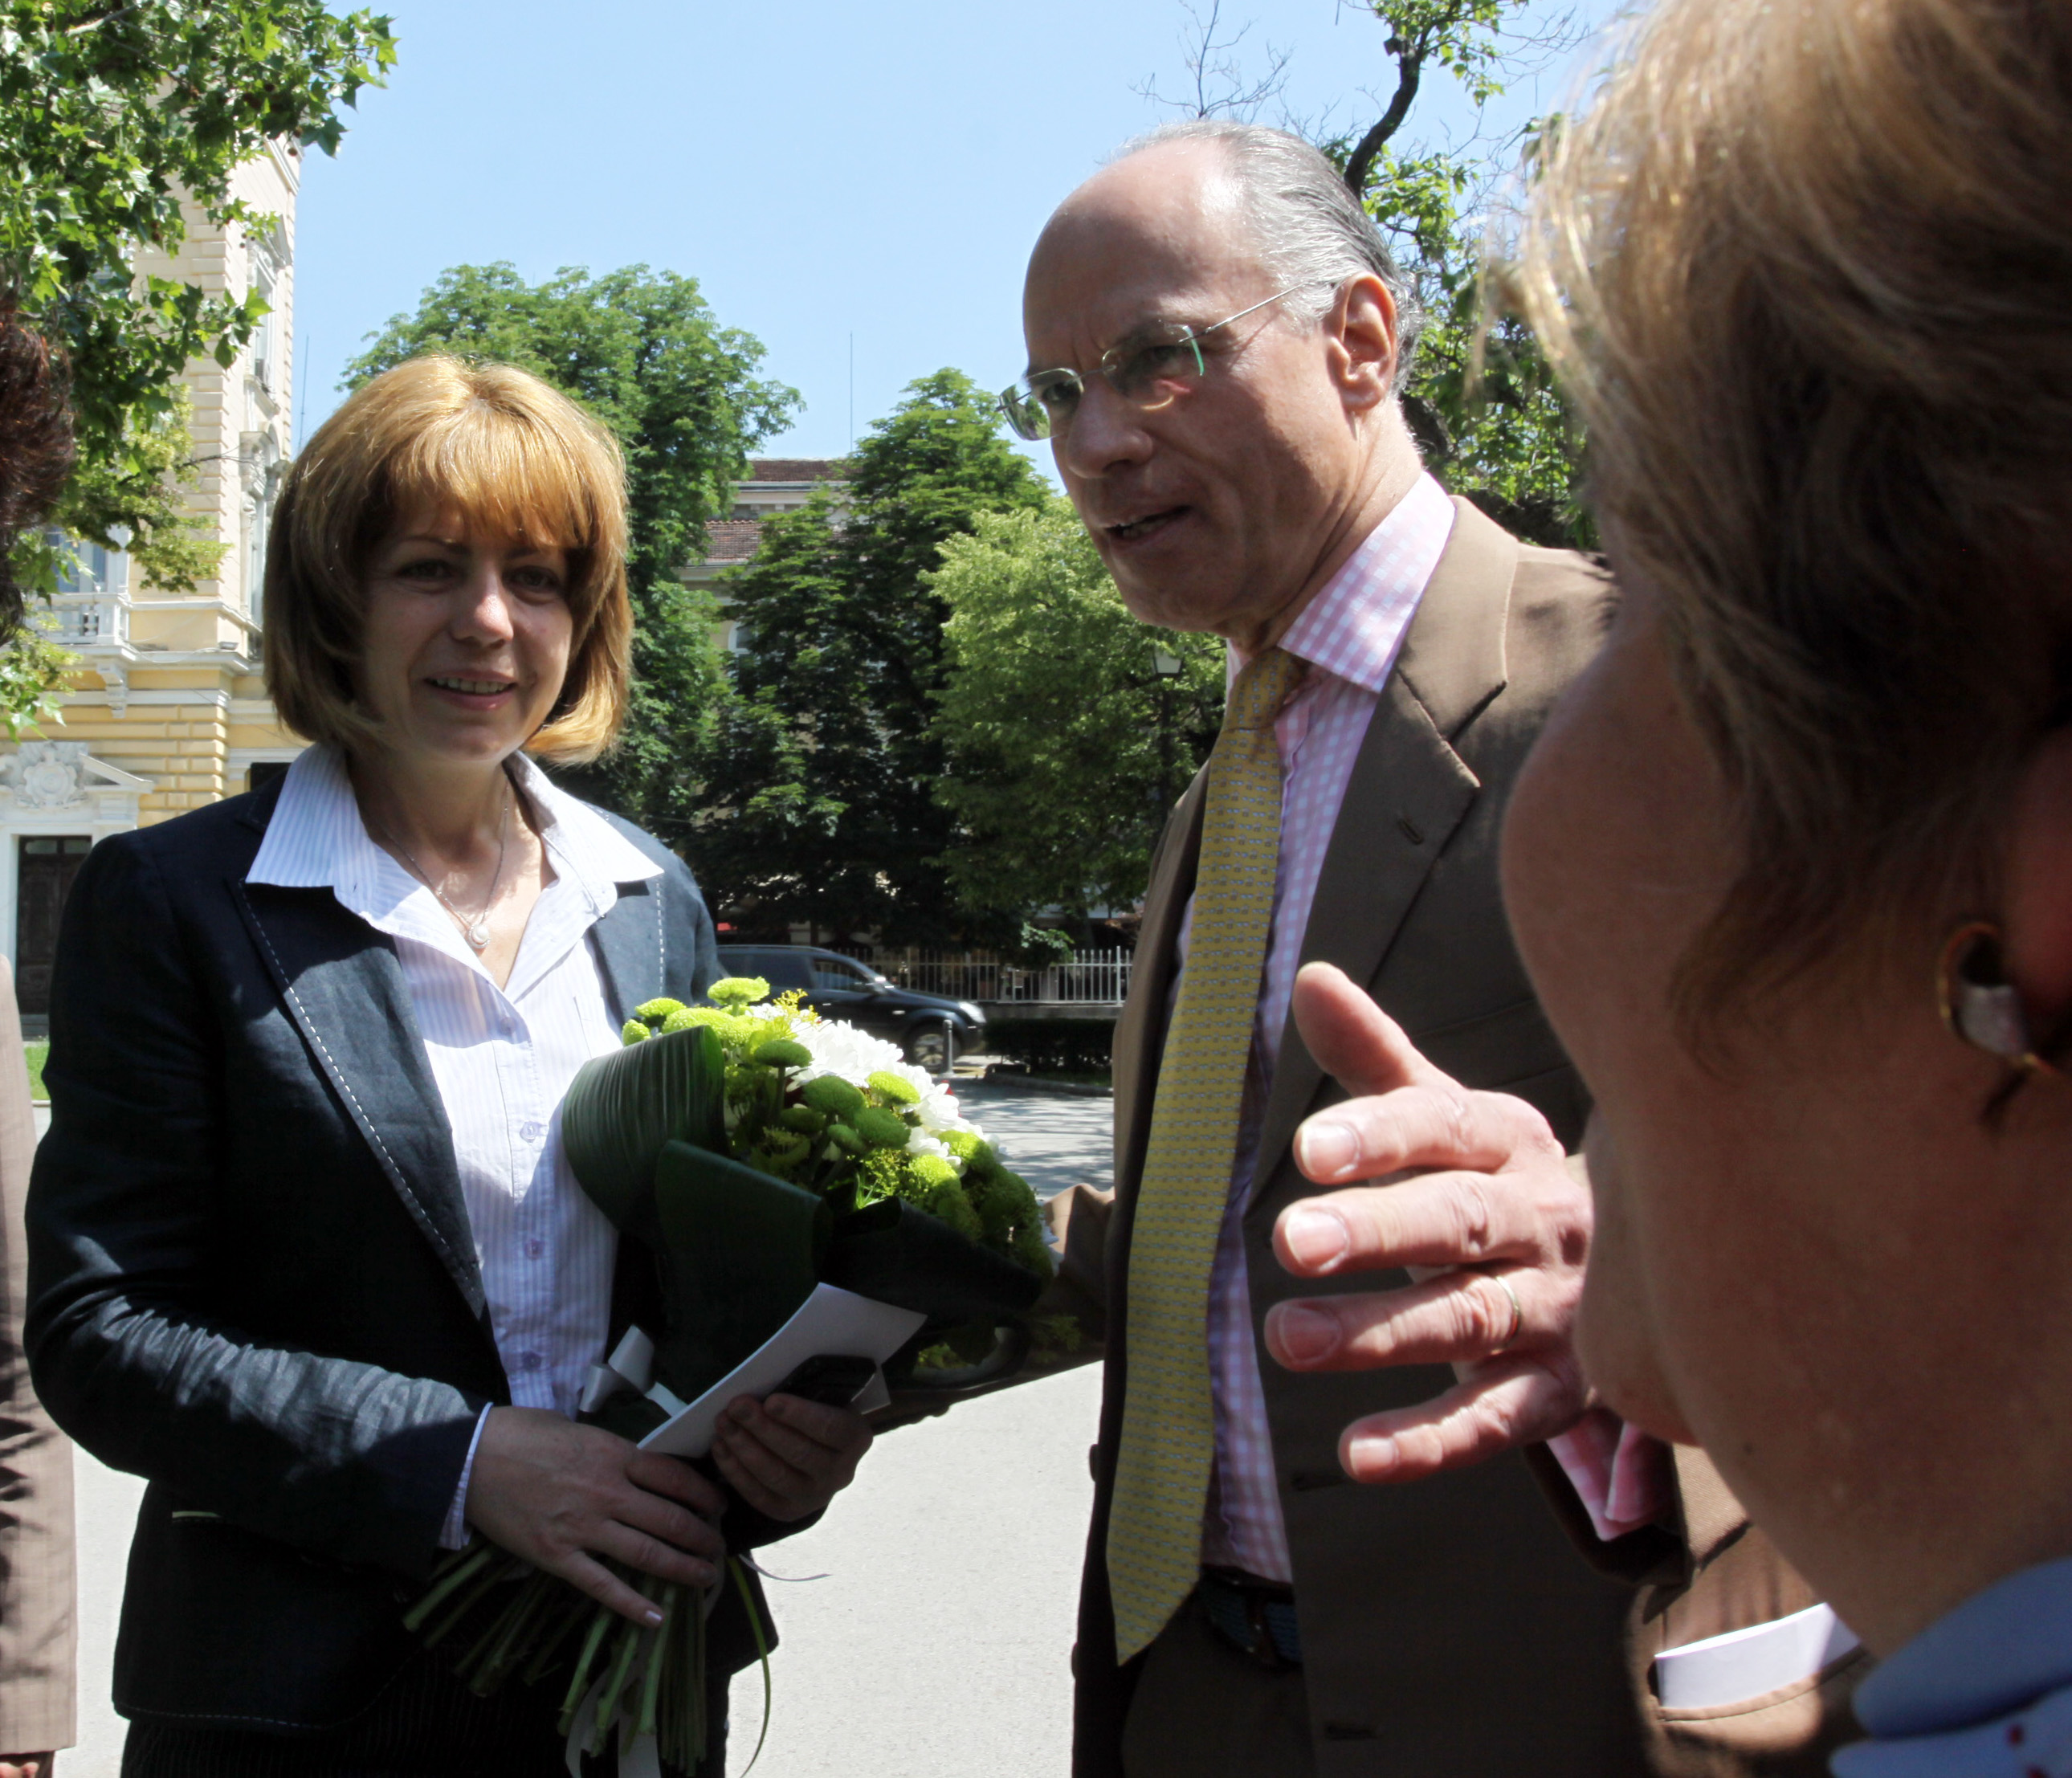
x=821, y=168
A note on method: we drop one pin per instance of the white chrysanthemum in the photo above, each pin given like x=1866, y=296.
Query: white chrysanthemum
x=842, y=1049
x=940, y=1114
x=919, y=1142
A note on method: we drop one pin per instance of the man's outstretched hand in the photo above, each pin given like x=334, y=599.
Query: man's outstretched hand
x=1474, y=1197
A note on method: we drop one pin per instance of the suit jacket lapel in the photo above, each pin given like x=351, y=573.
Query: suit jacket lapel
x=1409, y=790
x=343, y=986
x=630, y=948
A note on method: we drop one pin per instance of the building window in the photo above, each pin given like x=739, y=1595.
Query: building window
x=266, y=339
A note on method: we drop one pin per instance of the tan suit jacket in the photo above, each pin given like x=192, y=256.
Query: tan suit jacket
x=36, y=1583
x=1449, y=1628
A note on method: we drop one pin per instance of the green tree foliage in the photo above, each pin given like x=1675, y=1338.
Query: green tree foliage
x=111, y=114
x=1065, y=746
x=1481, y=399
x=643, y=351
x=139, y=492
x=820, y=805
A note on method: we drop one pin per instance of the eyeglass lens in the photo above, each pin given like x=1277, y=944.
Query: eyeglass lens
x=1147, y=371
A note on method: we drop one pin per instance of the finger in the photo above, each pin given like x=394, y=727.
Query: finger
x=750, y=1422
x=1458, y=1317
x=792, y=1481
x=652, y=1516
x=589, y=1576
x=1436, y=1124
x=772, y=1502
x=1437, y=1219
x=665, y=1560
x=840, y=1429
x=1506, y=1403
x=1354, y=1041
x=676, y=1479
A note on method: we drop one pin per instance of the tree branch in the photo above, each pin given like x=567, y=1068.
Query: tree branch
x=1409, y=70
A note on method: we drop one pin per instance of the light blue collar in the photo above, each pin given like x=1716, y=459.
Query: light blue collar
x=1985, y=1692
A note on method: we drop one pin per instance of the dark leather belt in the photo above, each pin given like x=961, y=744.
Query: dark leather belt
x=1257, y=1617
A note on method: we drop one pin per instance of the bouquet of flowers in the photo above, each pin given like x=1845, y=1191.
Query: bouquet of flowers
x=754, y=1152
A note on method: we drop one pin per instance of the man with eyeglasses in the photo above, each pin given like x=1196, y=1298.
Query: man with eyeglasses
x=1216, y=337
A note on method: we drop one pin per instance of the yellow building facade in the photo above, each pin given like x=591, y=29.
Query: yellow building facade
x=166, y=710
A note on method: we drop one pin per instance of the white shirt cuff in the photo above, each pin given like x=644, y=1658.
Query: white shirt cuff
x=455, y=1533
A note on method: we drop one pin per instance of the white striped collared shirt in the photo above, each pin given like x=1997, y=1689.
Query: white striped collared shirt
x=501, y=1058
x=1350, y=633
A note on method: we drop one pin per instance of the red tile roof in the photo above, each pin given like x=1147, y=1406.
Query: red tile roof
x=795, y=469
x=732, y=540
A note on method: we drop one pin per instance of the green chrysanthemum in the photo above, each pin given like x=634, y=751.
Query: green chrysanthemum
x=948, y=1201
x=892, y=1089
x=834, y=1096
x=654, y=1011
x=969, y=1146
x=738, y=991
x=933, y=1170
x=881, y=1129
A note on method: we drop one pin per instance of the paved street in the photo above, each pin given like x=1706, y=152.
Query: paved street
x=937, y=1646
x=1052, y=1141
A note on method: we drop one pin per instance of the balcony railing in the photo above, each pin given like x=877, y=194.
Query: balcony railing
x=1082, y=978
x=82, y=619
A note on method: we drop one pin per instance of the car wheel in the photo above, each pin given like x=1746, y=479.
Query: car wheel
x=931, y=1047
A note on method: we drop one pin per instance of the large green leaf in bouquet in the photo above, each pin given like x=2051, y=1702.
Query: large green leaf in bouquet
x=740, y=1252
x=622, y=1110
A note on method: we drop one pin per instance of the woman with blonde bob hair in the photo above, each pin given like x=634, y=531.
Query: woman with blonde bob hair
x=1792, y=867
x=306, y=1251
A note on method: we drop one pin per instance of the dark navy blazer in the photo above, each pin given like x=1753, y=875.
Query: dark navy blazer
x=251, y=1278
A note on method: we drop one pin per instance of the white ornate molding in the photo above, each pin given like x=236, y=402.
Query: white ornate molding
x=52, y=777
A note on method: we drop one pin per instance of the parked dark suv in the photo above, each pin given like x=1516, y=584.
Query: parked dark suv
x=930, y=1029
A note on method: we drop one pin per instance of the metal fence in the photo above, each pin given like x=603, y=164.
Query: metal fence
x=1082, y=978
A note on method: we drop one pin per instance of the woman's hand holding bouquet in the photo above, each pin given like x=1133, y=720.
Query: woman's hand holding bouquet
x=562, y=1496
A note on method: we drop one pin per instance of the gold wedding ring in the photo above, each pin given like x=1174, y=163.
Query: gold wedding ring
x=1517, y=1314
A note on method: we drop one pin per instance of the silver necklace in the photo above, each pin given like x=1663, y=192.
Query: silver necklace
x=475, y=930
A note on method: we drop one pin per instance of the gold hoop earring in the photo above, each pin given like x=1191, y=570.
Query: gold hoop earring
x=1979, y=1004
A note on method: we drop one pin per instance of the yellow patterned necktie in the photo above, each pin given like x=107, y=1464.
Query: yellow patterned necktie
x=1161, y=1475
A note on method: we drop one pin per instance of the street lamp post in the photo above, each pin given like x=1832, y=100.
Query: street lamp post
x=1166, y=665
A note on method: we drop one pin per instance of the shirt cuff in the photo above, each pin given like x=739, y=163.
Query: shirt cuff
x=455, y=1533
x=1620, y=1473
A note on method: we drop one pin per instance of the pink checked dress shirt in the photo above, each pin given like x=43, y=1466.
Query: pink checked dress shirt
x=1350, y=635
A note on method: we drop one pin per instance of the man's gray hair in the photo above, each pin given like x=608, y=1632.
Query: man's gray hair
x=1309, y=230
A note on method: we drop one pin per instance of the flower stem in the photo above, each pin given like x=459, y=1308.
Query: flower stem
x=651, y=1685
x=579, y=1680
x=607, y=1706
x=462, y=1605
x=458, y=1572
x=507, y=1644
x=575, y=1608
x=762, y=1654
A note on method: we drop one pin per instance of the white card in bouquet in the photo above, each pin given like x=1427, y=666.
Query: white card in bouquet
x=831, y=1322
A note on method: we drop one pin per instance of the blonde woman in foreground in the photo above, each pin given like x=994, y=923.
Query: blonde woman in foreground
x=1792, y=867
